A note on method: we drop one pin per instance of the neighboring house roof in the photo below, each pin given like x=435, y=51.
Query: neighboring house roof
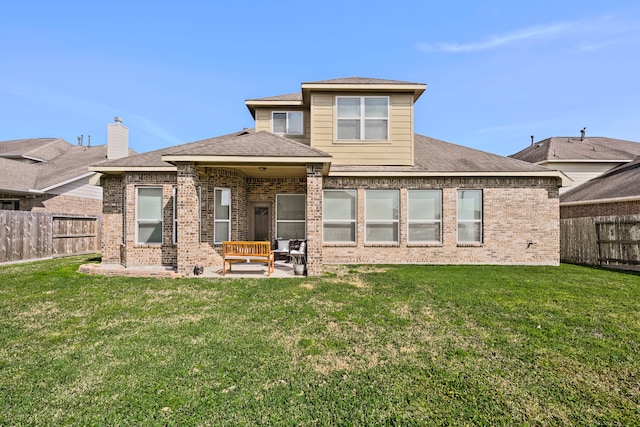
x=40, y=149
x=622, y=182
x=70, y=165
x=55, y=162
x=576, y=149
x=17, y=177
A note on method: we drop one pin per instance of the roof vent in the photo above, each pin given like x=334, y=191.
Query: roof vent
x=532, y=136
x=582, y=132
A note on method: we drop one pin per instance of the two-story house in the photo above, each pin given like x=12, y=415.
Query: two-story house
x=337, y=164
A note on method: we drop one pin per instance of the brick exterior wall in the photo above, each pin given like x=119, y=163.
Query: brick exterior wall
x=600, y=209
x=314, y=220
x=520, y=219
x=58, y=204
x=520, y=223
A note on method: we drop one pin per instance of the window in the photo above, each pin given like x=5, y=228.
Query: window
x=149, y=215
x=425, y=216
x=222, y=215
x=381, y=215
x=469, y=216
x=175, y=215
x=339, y=216
x=291, y=216
x=10, y=205
x=287, y=122
x=363, y=117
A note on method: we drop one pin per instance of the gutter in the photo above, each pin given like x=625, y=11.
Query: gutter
x=600, y=201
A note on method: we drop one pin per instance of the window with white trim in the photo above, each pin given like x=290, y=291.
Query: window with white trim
x=362, y=117
x=424, y=216
x=469, y=216
x=222, y=215
x=339, y=216
x=149, y=215
x=291, y=216
x=287, y=122
x=175, y=215
x=382, y=216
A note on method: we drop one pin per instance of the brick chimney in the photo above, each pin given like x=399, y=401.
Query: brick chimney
x=117, y=140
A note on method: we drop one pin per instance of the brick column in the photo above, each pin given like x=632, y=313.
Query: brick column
x=188, y=218
x=314, y=219
x=112, y=209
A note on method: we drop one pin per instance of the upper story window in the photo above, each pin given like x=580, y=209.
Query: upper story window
x=363, y=117
x=287, y=122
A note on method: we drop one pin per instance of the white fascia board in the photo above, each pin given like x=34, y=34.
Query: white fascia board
x=245, y=159
x=585, y=161
x=122, y=169
x=601, y=201
x=68, y=181
x=21, y=192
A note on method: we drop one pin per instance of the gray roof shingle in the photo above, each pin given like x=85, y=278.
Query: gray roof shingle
x=62, y=162
x=568, y=148
x=622, y=181
x=244, y=143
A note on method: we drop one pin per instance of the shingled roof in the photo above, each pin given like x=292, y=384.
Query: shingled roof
x=34, y=148
x=246, y=143
x=434, y=155
x=620, y=182
x=568, y=148
x=56, y=162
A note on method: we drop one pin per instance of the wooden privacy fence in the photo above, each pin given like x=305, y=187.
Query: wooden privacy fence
x=33, y=235
x=609, y=241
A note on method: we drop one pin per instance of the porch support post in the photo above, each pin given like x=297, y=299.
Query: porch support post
x=188, y=218
x=314, y=219
x=112, y=209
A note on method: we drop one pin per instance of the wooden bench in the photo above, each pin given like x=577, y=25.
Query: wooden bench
x=233, y=252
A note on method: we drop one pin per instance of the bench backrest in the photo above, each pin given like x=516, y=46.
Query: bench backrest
x=246, y=248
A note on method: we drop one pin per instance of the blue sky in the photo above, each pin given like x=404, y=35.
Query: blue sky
x=497, y=71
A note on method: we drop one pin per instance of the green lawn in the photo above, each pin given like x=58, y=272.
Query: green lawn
x=364, y=345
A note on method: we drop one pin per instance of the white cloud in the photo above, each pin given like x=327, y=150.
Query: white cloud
x=540, y=32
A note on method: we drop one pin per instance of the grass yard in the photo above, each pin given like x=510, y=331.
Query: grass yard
x=363, y=345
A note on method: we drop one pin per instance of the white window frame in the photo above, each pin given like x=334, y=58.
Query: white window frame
x=223, y=220
x=304, y=221
x=385, y=221
x=469, y=221
x=287, y=130
x=350, y=221
x=362, y=118
x=140, y=221
x=423, y=221
x=175, y=215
